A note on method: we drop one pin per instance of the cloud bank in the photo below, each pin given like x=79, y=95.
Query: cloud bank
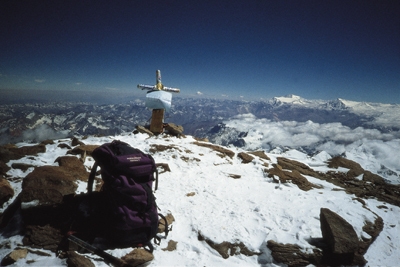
x=43, y=132
x=369, y=146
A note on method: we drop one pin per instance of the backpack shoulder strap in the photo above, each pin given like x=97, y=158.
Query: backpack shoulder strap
x=91, y=177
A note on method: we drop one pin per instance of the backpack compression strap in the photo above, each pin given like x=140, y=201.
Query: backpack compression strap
x=91, y=177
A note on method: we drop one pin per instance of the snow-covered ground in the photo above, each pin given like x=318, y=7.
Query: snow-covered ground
x=251, y=209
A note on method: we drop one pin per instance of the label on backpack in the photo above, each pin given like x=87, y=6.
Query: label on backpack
x=134, y=159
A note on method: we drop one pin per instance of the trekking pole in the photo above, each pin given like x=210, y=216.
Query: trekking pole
x=99, y=252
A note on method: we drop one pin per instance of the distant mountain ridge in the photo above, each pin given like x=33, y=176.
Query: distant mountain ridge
x=35, y=121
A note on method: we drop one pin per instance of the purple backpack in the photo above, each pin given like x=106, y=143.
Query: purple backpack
x=128, y=176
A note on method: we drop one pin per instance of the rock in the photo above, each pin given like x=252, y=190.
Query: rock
x=83, y=150
x=6, y=155
x=226, y=249
x=44, y=237
x=205, y=139
x=47, y=142
x=154, y=148
x=171, y=246
x=222, y=152
x=74, y=166
x=373, y=178
x=62, y=145
x=161, y=225
x=31, y=150
x=137, y=257
x=141, y=129
x=355, y=169
x=10, y=152
x=75, y=142
x=294, y=176
x=338, y=233
x=234, y=176
x=21, y=166
x=292, y=255
x=173, y=129
x=246, y=158
x=48, y=185
x=3, y=168
x=164, y=167
x=6, y=191
x=76, y=260
x=302, y=168
x=261, y=154
x=14, y=256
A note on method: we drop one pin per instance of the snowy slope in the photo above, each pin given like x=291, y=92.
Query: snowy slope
x=251, y=209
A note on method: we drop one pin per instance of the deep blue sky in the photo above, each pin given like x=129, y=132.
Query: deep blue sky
x=256, y=49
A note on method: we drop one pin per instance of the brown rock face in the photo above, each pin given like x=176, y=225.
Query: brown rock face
x=3, y=168
x=294, y=176
x=292, y=255
x=355, y=168
x=173, y=129
x=14, y=256
x=9, y=152
x=338, y=233
x=76, y=260
x=226, y=249
x=137, y=257
x=45, y=237
x=222, y=152
x=48, y=185
x=6, y=191
x=246, y=158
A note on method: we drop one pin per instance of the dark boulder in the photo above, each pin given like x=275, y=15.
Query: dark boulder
x=6, y=191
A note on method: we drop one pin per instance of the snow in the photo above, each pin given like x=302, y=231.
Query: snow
x=251, y=209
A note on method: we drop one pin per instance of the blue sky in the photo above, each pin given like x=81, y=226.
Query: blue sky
x=254, y=49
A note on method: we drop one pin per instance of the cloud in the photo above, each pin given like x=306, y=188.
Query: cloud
x=371, y=148
x=297, y=134
x=43, y=132
x=40, y=80
x=78, y=83
x=112, y=88
x=199, y=93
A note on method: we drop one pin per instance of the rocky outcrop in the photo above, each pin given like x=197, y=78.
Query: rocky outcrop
x=261, y=154
x=341, y=239
x=221, y=151
x=49, y=184
x=82, y=150
x=6, y=191
x=4, y=168
x=226, y=249
x=137, y=257
x=22, y=166
x=9, y=152
x=174, y=130
x=76, y=260
x=246, y=158
x=141, y=129
x=292, y=175
x=14, y=256
x=43, y=237
x=338, y=233
x=292, y=255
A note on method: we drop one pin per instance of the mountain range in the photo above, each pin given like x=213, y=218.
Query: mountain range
x=199, y=117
